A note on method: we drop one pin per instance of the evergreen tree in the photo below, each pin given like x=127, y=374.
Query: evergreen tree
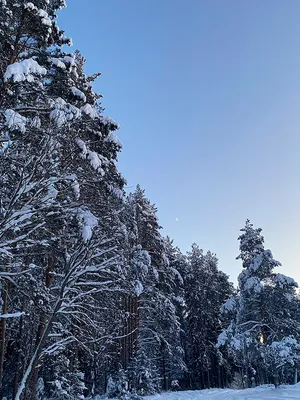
x=59, y=180
x=156, y=349
x=206, y=288
x=93, y=299
x=263, y=314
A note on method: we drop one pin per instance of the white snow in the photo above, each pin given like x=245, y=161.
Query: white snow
x=51, y=195
x=105, y=120
x=24, y=71
x=155, y=272
x=258, y=259
x=235, y=343
x=57, y=62
x=89, y=110
x=88, y=222
x=138, y=288
x=256, y=262
x=12, y=315
x=93, y=157
x=63, y=112
x=288, y=296
x=286, y=350
x=30, y=6
x=230, y=304
x=253, y=283
x=45, y=17
x=265, y=392
x=283, y=280
x=222, y=338
x=67, y=39
x=95, y=160
x=174, y=272
x=69, y=60
x=76, y=188
x=118, y=193
x=112, y=138
x=17, y=218
x=15, y=121
x=80, y=143
x=142, y=260
x=78, y=93
x=35, y=122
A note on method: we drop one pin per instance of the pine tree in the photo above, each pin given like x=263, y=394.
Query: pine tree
x=49, y=227
x=93, y=299
x=172, y=366
x=262, y=314
x=206, y=288
x=155, y=349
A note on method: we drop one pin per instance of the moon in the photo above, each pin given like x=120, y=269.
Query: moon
x=176, y=219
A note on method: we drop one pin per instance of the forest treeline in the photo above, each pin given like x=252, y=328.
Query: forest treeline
x=94, y=299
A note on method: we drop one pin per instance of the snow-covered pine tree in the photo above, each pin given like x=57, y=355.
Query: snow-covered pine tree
x=156, y=337
x=28, y=157
x=262, y=315
x=281, y=351
x=53, y=245
x=64, y=382
x=99, y=186
x=206, y=289
x=172, y=359
x=146, y=243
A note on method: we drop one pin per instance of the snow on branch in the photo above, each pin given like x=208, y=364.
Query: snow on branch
x=15, y=121
x=88, y=222
x=24, y=71
x=13, y=315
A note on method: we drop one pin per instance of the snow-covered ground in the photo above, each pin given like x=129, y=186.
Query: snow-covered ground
x=259, y=393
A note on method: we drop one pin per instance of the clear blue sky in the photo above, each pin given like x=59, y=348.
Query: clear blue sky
x=208, y=97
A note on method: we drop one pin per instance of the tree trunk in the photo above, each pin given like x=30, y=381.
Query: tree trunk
x=19, y=359
x=164, y=370
x=37, y=354
x=208, y=379
x=3, y=330
x=40, y=331
x=219, y=376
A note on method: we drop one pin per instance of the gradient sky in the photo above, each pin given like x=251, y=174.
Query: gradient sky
x=208, y=96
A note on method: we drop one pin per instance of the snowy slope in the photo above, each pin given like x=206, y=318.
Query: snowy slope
x=259, y=393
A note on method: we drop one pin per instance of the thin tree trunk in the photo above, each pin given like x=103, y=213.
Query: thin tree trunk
x=19, y=359
x=130, y=330
x=40, y=331
x=164, y=370
x=208, y=378
x=219, y=376
x=3, y=330
x=125, y=333
x=37, y=354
